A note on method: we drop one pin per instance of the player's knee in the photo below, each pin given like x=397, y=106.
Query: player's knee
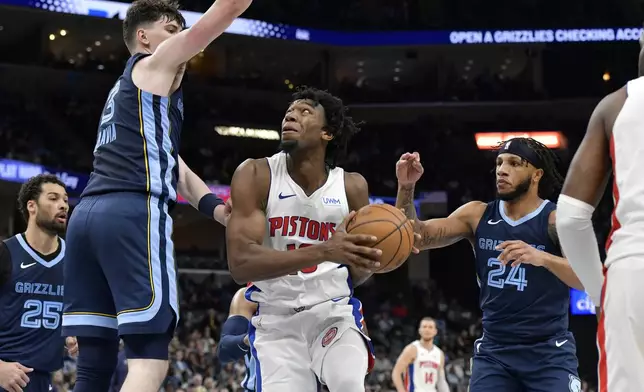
x=345, y=364
x=97, y=359
x=147, y=346
x=97, y=354
x=348, y=381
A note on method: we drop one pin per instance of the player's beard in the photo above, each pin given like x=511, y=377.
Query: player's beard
x=51, y=226
x=520, y=190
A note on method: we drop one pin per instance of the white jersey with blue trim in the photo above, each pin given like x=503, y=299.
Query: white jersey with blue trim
x=422, y=374
x=295, y=220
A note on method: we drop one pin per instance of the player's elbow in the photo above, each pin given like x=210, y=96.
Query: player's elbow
x=237, y=266
x=573, y=214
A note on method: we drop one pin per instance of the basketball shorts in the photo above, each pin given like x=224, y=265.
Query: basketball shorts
x=620, y=333
x=38, y=382
x=120, y=274
x=546, y=366
x=289, y=345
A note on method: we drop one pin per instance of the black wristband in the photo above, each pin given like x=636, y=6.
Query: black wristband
x=208, y=203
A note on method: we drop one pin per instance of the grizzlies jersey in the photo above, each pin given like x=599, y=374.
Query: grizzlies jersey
x=137, y=146
x=31, y=303
x=249, y=379
x=525, y=303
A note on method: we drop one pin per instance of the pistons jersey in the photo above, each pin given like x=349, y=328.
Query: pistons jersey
x=422, y=374
x=626, y=239
x=295, y=220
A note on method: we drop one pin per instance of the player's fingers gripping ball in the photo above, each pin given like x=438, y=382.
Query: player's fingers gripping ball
x=395, y=233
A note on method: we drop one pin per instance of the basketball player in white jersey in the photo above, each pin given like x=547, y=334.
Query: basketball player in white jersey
x=422, y=363
x=615, y=132
x=287, y=236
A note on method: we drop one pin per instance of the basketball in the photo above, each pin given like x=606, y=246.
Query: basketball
x=394, y=231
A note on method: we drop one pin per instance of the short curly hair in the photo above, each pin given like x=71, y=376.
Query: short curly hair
x=32, y=189
x=338, y=123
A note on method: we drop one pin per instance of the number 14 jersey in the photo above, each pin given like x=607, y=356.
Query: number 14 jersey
x=295, y=220
x=522, y=304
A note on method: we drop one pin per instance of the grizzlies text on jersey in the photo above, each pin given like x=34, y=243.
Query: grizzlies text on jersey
x=526, y=345
x=525, y=303
x=138, y=140
x=31, y=303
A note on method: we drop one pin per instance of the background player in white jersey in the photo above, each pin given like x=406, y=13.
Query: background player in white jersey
x=615, y=131
x=422, y=363
x=286, y=223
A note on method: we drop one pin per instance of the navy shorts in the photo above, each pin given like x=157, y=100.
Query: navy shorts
x=120, y=273
x=38, y=382
x=548, y=366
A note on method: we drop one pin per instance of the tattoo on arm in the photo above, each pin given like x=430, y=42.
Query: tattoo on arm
x=405, y=200
x=432, y=236
x=552, y=233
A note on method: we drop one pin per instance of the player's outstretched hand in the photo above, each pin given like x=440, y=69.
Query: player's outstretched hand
x=409, y=169
x=518, y=252
x=13, y=376
x=350, y=248
x=72, y=346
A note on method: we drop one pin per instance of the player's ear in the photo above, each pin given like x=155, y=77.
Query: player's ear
x=31, y=206
x=326, y=135
x=142, y=37
x=537, y=175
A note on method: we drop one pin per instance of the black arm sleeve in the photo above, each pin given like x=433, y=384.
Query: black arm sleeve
x=5, y=264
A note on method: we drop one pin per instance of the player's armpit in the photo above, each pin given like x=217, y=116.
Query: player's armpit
x=5, y=264
x=460, y=224
x=248, y=259
x=184, y=46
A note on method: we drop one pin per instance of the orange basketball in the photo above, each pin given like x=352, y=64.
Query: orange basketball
x=394, y=231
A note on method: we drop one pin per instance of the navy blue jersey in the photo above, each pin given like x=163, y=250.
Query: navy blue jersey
x=525, y=303
x=31, y=303
x=137, y=146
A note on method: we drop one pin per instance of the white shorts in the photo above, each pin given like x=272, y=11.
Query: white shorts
x=620, y=334
x=289, y=345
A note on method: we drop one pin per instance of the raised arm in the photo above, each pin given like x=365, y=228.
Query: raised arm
x=585, y=183
x=434, y=233
x=249, y=260
x=188, y=43
x=404, y=360
x=196, y=192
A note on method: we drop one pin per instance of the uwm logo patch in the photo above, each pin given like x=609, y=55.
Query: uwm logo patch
x=331, y=201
